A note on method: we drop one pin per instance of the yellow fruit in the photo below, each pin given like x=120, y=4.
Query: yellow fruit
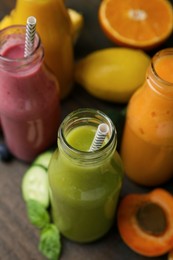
x=112, y=74
x=77, y=23
x=76, y=18
x=7, y=20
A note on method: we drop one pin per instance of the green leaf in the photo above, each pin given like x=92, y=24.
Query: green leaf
x=37, y=214
x=50, y=243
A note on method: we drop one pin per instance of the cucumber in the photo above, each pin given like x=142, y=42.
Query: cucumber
x=35, y=185
x=43, y=159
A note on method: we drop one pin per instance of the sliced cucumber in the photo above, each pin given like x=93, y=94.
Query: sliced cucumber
x=35, y=185
x=43, y=159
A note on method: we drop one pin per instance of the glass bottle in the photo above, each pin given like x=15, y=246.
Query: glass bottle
x=29, y=96
x=84, y=185
x=54, y=28
x=147, y=143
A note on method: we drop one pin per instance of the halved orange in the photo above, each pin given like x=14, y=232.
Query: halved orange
x=141, y=24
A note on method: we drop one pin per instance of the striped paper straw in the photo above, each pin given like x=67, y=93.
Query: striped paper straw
x=99, y=137
x=30, y=35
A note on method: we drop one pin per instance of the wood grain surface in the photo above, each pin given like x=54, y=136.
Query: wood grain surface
x=18, y=238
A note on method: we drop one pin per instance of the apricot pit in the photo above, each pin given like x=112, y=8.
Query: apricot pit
x=151, y=218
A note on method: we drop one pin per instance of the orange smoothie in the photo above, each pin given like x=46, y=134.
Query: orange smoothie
x=164, y=68
x=147, y=144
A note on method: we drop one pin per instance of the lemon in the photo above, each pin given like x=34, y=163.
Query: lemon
x=77, y=21
x=7, y=20
x=112, y=74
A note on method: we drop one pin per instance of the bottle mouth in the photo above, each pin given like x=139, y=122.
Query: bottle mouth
x=155, y=58
x=15, y=35
x=87, y=117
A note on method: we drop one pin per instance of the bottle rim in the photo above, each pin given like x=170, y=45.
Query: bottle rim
x=159, y=54
x=33, y=57
x=92, y=117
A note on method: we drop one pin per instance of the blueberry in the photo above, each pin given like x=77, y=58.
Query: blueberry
x=5, y=154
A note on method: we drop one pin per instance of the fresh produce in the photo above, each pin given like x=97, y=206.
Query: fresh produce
x=77, y=21
x=5, y=154
x=35, y=193
x=139, y=24
x=50, y=243
x=112, y=74
x=35, y=185
x=43, y=159
x=145, y=222
x=37, y=213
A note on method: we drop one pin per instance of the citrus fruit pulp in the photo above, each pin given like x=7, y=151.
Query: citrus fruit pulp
x=136, y=23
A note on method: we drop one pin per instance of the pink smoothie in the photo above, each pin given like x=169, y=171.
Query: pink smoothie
x=29, y=104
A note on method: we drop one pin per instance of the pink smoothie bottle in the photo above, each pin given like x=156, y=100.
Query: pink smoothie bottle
x=29, y=96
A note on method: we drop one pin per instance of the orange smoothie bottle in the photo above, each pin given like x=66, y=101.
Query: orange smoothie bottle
x=147, y=143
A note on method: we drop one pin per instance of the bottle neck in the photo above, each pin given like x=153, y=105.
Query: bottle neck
x=157, y=76
x=86, y=117
x=12, y=44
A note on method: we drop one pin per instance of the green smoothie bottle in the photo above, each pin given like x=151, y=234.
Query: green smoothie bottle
x=84, y=185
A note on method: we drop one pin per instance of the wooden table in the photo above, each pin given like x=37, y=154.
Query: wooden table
x=18, y=238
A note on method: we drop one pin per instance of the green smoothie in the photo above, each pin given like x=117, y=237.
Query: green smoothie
x=84, y=193
x=82, y=137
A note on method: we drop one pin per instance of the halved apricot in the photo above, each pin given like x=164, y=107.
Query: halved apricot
x=145, y=222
